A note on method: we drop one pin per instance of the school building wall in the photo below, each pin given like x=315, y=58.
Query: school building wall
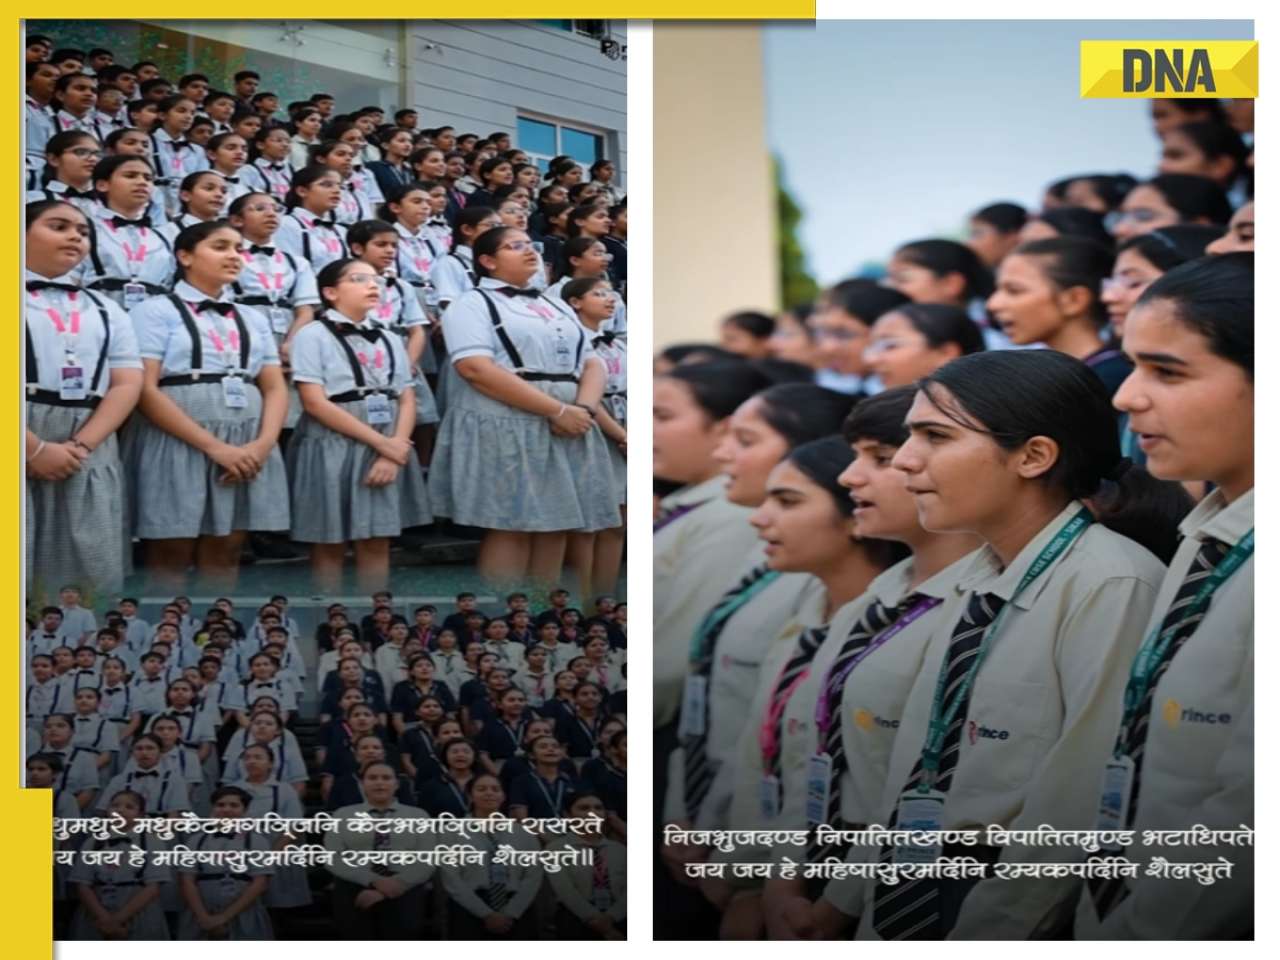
x=710, y=168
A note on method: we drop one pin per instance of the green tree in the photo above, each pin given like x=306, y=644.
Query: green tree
x=798, y=285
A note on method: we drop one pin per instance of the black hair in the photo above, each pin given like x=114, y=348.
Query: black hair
x=1192, y=196
x=34, y=67
x=681, y=353
x=1014, y=395
x=1073, y=262
x=240, y=202
x=146, y=86
x=258, y=97
x=469, y=217
x=189, y=183
x=1004, y=217
x=1109, y=187
x=329, y=276
x=579, y=288
x=579, y=213
x=941, y=323
x=200, y=122
x=1078, y=222
x=881, y=417
x=864, y=299
x=38, y=208
x=941, y=257
x=803, y=412
x=1169, y=247
x=719, y=388
x=487, y=245
x=1216, y=140
x=67, y=53
x=171, y=101
x=51, y=760
x=1214, y=297
x=228, y=791
x=246, y=75
x=573, y=247
x=753, y=322
x=304, y=178
x=363, y=231
x=1209, y=108
x=45, y=611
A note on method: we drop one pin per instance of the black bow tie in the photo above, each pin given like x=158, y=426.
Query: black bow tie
x=230, y=179
x=73, y=192
x=517, y=292
x=254, y=248
x=139, y=774
x=328, y=224
x=86, y=670
x=606, y=338
x=179, y=143
x=226, y=309
x=182, y=713
x=84, y=719
x=142, y=221
x=34, y=285
x=153, y=679
x=369, y=333
x=113, y=690
x=437, y=222
x=277, y=167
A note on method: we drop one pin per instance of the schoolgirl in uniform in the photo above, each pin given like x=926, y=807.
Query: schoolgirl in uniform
x=606, y=774
x=1190, y=401
x=579, y=729
x=410, y=207
x=115, y=702
x=164, y=792
x=526, y=371
x=448, y=792
x=43, y=694
x=196, y=728
x=225, y=904
x=202, y=198
x=74, y=97
x=265, y=728
x=181, y=760
x=288, y=887
x=354, y=202
x=350, y=674
x=543, y=790
x=598, y=557
x=1050, y=669
x=206, y=468
x=584, y=258
x=453, y=275
x=175, y=156
x=347, y=647
x=399, y=309
x=417, y=743
x=591, y=899
x=420, y=684
x=68, y=172
x=1049, y=291
x=944, y=271
x=348, y=454
x=513, y=213
x=493, y=901
x=270, y=172
x=305, y=135
x=536, y=678
x=379, y=902
x=449, y=660
x=915, y=339
x=94, y=732
x=228, y=153
x=82, y=382
x=308, y=229
x=393, y=171
x=340, y=756
x=79, y=775
x=428, y=165
x=265, y=680
x=121, y=902
x=502, y=735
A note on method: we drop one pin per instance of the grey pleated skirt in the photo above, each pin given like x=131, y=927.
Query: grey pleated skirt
x=619, y=464
x=147, y=924
x=177, y=493
x=251, y=924
x=502, y=469
x=75, y=531
x=426, y=402
x=295, y=402
x=331, y=501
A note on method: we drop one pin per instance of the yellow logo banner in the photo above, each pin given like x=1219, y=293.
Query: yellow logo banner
x=1142, y=69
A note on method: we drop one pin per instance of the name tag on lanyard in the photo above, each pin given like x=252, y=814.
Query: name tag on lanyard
x=693, y=710
x=233, y=392
x=770, y=797
x=921, y=812
x=71, y=384
x=378, y=409
x=1117, y=789
x=134, y=294
x=281, y=318
x=817, y=788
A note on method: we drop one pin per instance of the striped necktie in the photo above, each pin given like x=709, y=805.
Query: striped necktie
x=793, y=674
x=1110, y=892
x=877, y=619
x=697, y=767
x=911, y=908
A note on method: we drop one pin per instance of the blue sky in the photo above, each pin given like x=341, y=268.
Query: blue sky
x=892, y=131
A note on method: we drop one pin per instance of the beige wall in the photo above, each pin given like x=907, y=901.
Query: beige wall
x=713, y=208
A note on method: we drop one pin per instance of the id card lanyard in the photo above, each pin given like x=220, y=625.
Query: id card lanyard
x=940, y=720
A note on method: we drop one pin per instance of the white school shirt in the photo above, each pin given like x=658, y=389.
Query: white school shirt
x=148, y=693
x=42, y=643
x=449, y=669
x=522, y=882
x=77, y=621
x=269, y=176
x=184, y=763
x=137, y=630
x=100, y=323
x=107, y=123
x=174, y=162
x=280, y=688
x=398, y=306
x=162, y=790
x=287, y=763
x=194, y=725
x=417, y=253
x=616, y=324
x=344, y=839
x=237, y=186
x=79, y=767
x=271, y=272
x=39, y=128
x=117, y=703
x=65, y=121
x=84, y=201
x=142, y=254
x=1049, y=692
x=317, y=240
x=388, y=663
x=572, y=885
x=441, y=233
x=742, y=648
x=318, y=357
x=163, y=335
x=271, y=796
x=548, y=339
x=510, y=653
x=95, y=732
x=537, y=688
x=300, y=152
x=77, y=679
x=45, y=698
x=451, y=276
x=695, y=559
x=1195, y=771
x=612, y=351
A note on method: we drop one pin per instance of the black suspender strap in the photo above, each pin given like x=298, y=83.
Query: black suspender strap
x=357, y=371
x=106, y=340
x=33, y=369
x=94, y=257
x=498, y=328
x=197, y=349
x=471, y=273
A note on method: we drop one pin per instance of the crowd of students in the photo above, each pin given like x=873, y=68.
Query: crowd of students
x=334, y=326
x=952, y=584
x=517, y=715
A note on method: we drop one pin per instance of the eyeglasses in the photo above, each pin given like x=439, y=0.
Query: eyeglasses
x=888, y=344
x=604, y=293
x=1140, y=215
x=363, y=278
x=838, y=333
x=85, y=153
x=264, y=207
x=1123, y=283
x=518, y=246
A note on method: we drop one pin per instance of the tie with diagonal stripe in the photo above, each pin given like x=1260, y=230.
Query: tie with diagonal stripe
x=697, y=766
x=876, y=619
x=912, y=908
x=793, y=674
x=1183, y=619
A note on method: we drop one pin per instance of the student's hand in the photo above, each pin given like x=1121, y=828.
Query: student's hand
x=111, y=928
x=573, y=422
x=239, y=465
x=210, y=923
x=829, y=922
x=601, y=924
x=498, y=923
x=261, y=452
x=366, y=899
x=382, y=474
x=395, y=449
x=390, y=887
x=284, y=349
x=56, y=461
